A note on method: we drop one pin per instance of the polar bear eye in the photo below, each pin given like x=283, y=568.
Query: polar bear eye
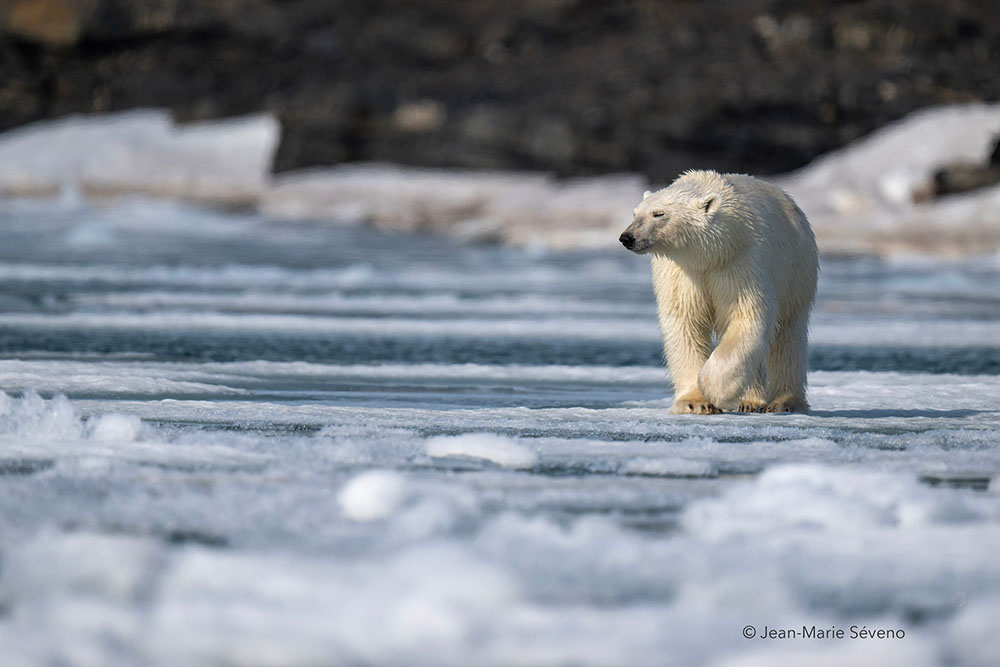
x=657, y=214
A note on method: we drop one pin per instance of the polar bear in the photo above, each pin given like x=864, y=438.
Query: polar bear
x=735, y=258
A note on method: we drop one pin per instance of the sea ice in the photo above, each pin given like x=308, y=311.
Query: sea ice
x=232, y=440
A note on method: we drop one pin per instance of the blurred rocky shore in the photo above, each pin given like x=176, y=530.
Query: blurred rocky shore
x=570, y=87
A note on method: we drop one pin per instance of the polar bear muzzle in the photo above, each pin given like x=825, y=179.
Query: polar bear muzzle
x=634, y=237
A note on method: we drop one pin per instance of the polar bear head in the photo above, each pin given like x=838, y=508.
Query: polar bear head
x=688, y=215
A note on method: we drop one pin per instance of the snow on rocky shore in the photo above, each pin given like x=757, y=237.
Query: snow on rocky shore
x=861, y=199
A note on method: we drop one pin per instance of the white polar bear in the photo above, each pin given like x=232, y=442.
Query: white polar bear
x=735, y=257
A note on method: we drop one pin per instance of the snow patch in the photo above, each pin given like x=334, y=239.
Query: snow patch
x=862, y=198
x=526, y=209
x=668, y=467
x=909, y=650
x=886, y=168
x=972, y=635
x=504, y=452
x=140, y=152
x=52, y=565
x=372, y=495
x=822, y=498
x=31, y=416
x=115, y=428
x=35, y=429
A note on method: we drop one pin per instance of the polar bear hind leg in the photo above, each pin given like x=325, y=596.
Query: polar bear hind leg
x=787, y=363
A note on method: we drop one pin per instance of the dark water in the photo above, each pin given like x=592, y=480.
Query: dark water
x=216, y=346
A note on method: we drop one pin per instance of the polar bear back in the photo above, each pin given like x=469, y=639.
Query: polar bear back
x=780, y=238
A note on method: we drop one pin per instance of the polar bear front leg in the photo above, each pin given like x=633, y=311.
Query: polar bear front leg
x=686, y=348
x=685, y=324
x=734, y=376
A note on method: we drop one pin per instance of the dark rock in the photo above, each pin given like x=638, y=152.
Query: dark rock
x=572, y=86
x=55, y=22
x=955, y=178
x=964, y=177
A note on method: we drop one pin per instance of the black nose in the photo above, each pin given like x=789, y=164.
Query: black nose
x=627, y=240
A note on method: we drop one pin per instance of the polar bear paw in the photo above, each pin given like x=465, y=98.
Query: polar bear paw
x=788, y=404
x=752, y=406
x=693, y=404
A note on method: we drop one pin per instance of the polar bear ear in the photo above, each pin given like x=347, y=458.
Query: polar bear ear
x=709, y=204
x=645, y=195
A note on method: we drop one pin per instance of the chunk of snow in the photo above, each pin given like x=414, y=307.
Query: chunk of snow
x=497, y=449
x=115, y=428
x=668, y=467
x=372, y=495
x=31, y=416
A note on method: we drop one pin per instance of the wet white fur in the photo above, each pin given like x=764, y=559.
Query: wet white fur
x=732, y=257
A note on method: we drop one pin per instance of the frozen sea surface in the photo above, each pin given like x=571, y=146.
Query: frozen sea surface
x=226, y=440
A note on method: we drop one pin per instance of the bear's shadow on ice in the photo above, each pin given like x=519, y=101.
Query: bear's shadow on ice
x=940, y=414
